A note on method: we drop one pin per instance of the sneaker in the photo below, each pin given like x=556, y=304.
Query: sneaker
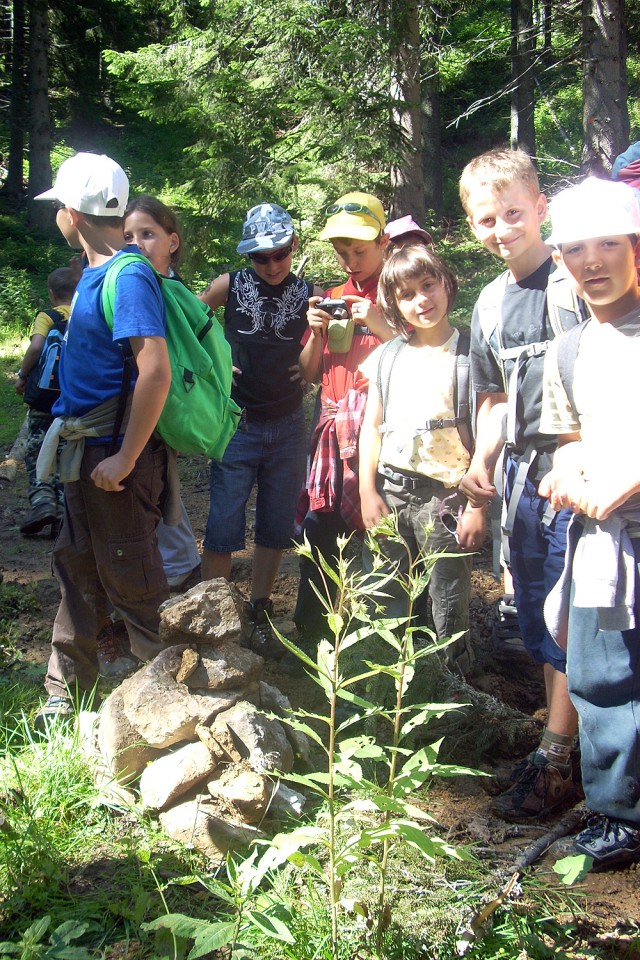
x=40, y=516
x=541, y=789
x=54, y=707
x=611, y=843
x=115, y=661
x=262, y=638
x=184, y=581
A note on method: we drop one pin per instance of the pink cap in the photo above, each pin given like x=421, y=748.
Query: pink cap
x=397, y=228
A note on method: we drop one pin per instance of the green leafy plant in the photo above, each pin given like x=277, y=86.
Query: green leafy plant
x=366, y=815
x=32, y=945
x=242, y=915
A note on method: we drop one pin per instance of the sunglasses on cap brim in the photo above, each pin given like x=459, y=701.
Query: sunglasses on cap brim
x=352, y=208
x=278, y=257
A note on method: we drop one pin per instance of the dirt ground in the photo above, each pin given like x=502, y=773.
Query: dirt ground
x=611, y=900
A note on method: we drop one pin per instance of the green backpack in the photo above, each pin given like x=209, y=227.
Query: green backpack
x=199, y=415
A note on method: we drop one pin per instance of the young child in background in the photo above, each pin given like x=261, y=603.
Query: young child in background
x=265, y=321
x=405, y=231
x=45, y=496
x=412, y=451
x=510, y=329
x=155, y=230
x=330, y=505
x=590, y=402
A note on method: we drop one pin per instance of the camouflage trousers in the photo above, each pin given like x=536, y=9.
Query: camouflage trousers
x=51, y=489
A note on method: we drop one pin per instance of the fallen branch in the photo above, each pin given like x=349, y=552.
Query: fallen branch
x=533, y=852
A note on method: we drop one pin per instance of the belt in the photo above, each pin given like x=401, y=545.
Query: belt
x=414, y=481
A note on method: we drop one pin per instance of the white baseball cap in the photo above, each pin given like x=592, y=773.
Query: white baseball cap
x=594, y=208
x=90, y=183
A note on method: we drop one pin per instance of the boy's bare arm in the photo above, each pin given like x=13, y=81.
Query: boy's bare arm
x=477, y=484
x=30, y=359
x=594, y=486
x=372, y=505
x=149, y=395
x=217, y=293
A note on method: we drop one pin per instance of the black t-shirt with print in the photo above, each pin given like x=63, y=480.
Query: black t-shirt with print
x=525, y=320
x=265, y=325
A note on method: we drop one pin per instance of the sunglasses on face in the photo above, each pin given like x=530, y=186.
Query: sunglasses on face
x=352, y=208
x=278, y=257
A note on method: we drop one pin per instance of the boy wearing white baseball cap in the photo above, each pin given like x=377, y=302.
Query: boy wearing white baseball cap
x=590, y=402
x=106, y=554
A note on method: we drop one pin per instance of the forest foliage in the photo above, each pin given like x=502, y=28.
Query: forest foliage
x=217, y=104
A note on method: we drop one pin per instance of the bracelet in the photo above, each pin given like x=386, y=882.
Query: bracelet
x=21, y=375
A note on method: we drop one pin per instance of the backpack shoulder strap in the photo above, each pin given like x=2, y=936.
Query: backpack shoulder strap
x=388, y=356
x=108, y=297
x=568, y=347
x=489, y=310
x=462, y=393
x=565, y=309
x=110, y=279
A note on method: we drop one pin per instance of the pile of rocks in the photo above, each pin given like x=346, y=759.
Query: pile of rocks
x=196, y=731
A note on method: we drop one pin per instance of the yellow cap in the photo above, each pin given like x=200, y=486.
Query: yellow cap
x=355, y=216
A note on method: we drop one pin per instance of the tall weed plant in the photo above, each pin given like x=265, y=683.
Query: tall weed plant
x=365, y=787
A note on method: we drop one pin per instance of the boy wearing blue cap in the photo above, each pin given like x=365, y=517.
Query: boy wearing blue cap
x=589, y=402
x=265, y=320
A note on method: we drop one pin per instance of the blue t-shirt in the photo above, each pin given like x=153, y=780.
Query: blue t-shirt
x=91, y=358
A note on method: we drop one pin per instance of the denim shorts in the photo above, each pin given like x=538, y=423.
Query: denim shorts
x=271, y=454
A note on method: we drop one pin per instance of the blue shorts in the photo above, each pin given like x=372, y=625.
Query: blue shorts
x=272, y=454
x=537, y=560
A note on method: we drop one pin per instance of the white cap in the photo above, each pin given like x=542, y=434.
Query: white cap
x=594, y=208
x=90, y=183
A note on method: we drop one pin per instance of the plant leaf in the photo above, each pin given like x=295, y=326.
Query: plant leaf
x=573, y=869
x=270, y=926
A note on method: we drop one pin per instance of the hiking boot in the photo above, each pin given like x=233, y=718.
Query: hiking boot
x=506, y=779
x=262, y=638
x=54, y=707
x=541, y=789
x=115, y=660
x=611, y=843
x=40, y=516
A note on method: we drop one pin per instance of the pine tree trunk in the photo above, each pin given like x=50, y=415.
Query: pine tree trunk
x=14, y=185
x=406, y=174
x=432, y=139
x=523, y=132
x=605, y=116
x=40, y=126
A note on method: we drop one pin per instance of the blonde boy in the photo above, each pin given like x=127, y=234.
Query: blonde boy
x=505, y=209
x=590, y=402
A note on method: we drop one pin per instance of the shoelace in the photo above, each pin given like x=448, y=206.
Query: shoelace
x=600, y=827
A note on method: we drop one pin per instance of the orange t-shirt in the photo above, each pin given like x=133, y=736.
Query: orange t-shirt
x=340, y=370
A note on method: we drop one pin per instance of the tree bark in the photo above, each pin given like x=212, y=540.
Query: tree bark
x=523, y=132
x=605, y=116
x=432, y=139
x=40, y=125
x=14, y=185
x=406, y=174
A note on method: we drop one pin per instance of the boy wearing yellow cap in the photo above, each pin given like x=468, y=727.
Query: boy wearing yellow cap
x=331, y=507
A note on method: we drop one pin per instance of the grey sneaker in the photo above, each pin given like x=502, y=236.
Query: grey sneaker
x=115, y=660
x=262, y=638
x=53, y=708
x=41, y=515
x=542, y=788
x=611, y=843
